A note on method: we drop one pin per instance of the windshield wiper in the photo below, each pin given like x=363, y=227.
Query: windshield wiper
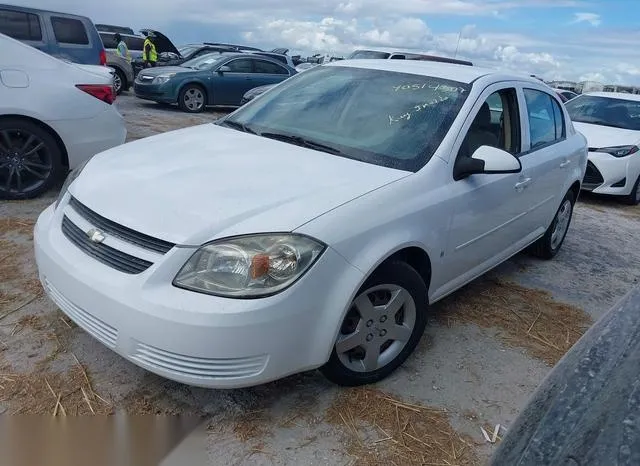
x=239, y=126
x=300, y=141
x=601, y=123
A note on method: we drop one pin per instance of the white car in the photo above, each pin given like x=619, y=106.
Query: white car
x=611, y=123
x=313, y=227
x=54, y=115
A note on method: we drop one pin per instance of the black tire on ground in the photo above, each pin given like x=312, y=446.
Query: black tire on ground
x=124, y=85
x=31, y=151
x=634, y=197
x=393, y=273
x=545, y=247
x=186, y=92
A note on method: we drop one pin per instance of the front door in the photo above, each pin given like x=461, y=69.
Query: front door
x=230, y=86
x=488, y=223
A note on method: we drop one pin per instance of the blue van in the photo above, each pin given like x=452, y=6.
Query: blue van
x=69, y=37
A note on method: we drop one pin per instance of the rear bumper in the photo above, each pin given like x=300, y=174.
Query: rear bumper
x=84, y=138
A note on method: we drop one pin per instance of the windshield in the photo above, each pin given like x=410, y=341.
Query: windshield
x=386, y=118
x=369, y=54
x=204, y=62
x=187, y=50
x=606, y=111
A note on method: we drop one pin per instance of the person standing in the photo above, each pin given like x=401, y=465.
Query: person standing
x=149, y=53
x=122, y=50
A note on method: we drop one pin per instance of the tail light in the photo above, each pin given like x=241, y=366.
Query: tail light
x=102, y=92
x=103, y=57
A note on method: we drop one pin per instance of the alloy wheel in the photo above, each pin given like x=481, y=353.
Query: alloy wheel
x=194, y=99
x=25, y=161
x=376, y=329
x=117, y=83
x=562, y=224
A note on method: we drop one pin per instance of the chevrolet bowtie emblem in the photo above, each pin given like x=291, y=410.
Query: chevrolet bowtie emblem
x=96, y=235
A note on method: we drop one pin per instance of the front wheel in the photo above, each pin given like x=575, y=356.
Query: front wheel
x=30, y=159
x=549, y=245
x=382, y=327
x=192, y=99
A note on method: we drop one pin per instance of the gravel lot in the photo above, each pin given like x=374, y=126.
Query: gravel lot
x=485, y=350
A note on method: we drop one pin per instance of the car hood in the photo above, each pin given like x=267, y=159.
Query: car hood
x=196, y=184
x=163, y=44
x=599, y=136
x=166, y=70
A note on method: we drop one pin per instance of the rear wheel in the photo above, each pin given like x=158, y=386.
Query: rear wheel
x=633, y=198
x=30, y=159
x=382, y=327
x=192, y=99
x=119, y=81
x=549, y=245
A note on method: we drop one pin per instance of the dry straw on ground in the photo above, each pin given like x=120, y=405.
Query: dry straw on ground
x=57, y=394
x=525, y=317
x=380, y=430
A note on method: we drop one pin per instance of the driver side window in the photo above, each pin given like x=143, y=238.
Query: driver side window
x=497, y=124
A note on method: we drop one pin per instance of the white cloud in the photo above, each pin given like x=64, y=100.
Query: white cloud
x=591, y=18
x=339, y=26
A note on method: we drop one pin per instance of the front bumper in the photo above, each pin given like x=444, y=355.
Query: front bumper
x=155, y=92
x=190, y=337
x=607, y=174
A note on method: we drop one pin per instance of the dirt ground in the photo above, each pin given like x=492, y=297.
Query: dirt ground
x=485, y=350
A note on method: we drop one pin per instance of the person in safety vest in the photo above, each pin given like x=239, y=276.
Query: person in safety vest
x=121, y=49
x=149, y=53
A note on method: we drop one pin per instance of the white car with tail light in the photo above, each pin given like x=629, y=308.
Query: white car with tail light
x=313, y=227
x=611, y=123
x=54, y=115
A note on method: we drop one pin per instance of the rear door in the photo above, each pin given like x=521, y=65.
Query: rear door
x=546, y=158
x=268, y=72
x=25, y=27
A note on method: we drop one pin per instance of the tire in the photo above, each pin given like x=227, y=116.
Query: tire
x=347, y=365
x=549, y=245
x=32, y=152
x=120, y=81
x=633, y=198
x=192, y=99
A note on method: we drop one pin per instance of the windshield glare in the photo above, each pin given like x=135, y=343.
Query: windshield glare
x=204, y=62
x=187, y=50
x=618, y=113
x=386, y=118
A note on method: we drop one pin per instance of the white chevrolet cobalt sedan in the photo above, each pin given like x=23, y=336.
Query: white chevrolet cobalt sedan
x=314, y=227
x=611, y=123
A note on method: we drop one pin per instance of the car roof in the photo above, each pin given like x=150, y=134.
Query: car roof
x=454, y=72
x=615, y=95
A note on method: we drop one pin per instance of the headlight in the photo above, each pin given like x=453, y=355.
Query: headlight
x=619, y=151
x=70, y=179
x=163, y=78
x=249, y=266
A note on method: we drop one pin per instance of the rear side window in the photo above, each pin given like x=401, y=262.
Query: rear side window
x=266, y=67
x=134, y=43
x=108, y=40
x=20, y=26
x=546, y=122
x=69, y=31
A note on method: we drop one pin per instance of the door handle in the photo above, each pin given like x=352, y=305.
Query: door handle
x=522, y=184
x=566, y=163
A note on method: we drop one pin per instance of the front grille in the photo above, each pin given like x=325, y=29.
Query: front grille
x=592, y=176
x=103, y=253
x=120, y=231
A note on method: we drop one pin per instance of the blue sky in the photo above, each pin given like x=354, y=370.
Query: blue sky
x=556, y=39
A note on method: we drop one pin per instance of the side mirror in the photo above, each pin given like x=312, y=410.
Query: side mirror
x=224, y=69
x=486, y=160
